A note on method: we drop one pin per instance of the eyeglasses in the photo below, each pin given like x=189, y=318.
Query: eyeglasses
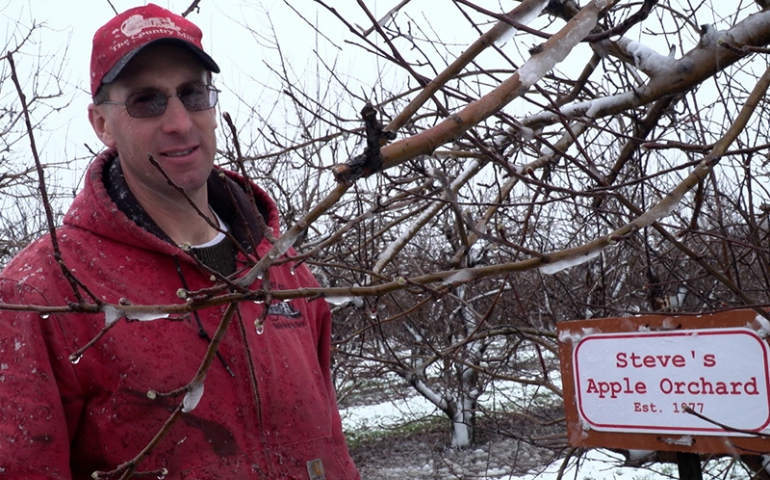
x=153, y=102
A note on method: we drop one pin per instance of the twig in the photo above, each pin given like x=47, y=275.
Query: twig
x=209, y=221
x=75, y=284
x=201, y=330
x=21, y=43
x=487, y=39
x=563, y=467
x=727, y=428
x=623, y=27
x=247, y=183
x=78, y=354
x=112, y=6
x=193, y=6
x=509, y=19
x=743, y=49
x=387, y=16
x=127, y=469
x=286, y=241
x=370, y=161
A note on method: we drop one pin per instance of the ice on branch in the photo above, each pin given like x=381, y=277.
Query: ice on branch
x=538, y=65
x=535, y=12
x=344, y=300
x=527, y=17
x=462, y=276
x=283, y=244
x=192, y=397
x=764, y=326
x=112, y=314
x=662, y=209
x=569, y=262
x=145, y=316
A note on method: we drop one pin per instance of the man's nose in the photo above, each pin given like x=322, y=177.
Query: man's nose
x=176, y=118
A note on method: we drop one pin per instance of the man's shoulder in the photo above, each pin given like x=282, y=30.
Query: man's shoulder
x=38, y=256
x=38, y=259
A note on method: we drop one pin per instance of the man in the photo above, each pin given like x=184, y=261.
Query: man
x=137, y=234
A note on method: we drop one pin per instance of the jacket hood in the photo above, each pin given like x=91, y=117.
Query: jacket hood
x=95, y=211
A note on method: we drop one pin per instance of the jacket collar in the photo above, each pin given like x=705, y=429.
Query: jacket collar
x=107, y=207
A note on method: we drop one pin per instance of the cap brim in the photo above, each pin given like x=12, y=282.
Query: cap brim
x=205, y=59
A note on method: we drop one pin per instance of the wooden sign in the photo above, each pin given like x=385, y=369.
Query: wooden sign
x=680, y=383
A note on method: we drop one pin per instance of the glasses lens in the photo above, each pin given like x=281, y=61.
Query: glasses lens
x=198, y=97
x=152, y=103
x=146, y=104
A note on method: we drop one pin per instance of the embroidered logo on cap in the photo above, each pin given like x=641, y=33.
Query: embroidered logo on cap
x=136, y=23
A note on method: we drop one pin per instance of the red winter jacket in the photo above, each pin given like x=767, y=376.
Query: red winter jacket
x=275, y=416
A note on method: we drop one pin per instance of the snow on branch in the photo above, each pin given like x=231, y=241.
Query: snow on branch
x=648, y=60
x=669, y=76
x=524, y=13
x=575, y=256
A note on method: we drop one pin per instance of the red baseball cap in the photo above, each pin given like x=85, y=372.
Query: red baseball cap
x=120, y=39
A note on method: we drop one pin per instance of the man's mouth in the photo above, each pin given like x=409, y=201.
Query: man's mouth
x=179, y=153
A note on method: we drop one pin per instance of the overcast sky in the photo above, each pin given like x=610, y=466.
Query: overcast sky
x=64, y=45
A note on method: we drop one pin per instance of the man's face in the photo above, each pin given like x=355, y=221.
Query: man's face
x=183, y=142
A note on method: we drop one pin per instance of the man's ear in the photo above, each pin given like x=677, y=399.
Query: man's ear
x=100, y=125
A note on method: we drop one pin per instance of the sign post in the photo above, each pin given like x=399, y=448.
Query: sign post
x=690, y=384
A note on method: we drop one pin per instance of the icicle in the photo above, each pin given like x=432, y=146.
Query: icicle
x=462, y=276
x=146, y=316
x=344, y=300
x=192, y=397
x=111, y=315
x=558, y=266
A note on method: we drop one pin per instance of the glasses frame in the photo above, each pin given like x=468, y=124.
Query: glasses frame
x=213, y=97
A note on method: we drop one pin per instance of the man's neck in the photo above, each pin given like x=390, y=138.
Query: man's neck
x=182, y=222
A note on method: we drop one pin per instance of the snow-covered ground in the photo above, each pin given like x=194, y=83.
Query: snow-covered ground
x=596, y=464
